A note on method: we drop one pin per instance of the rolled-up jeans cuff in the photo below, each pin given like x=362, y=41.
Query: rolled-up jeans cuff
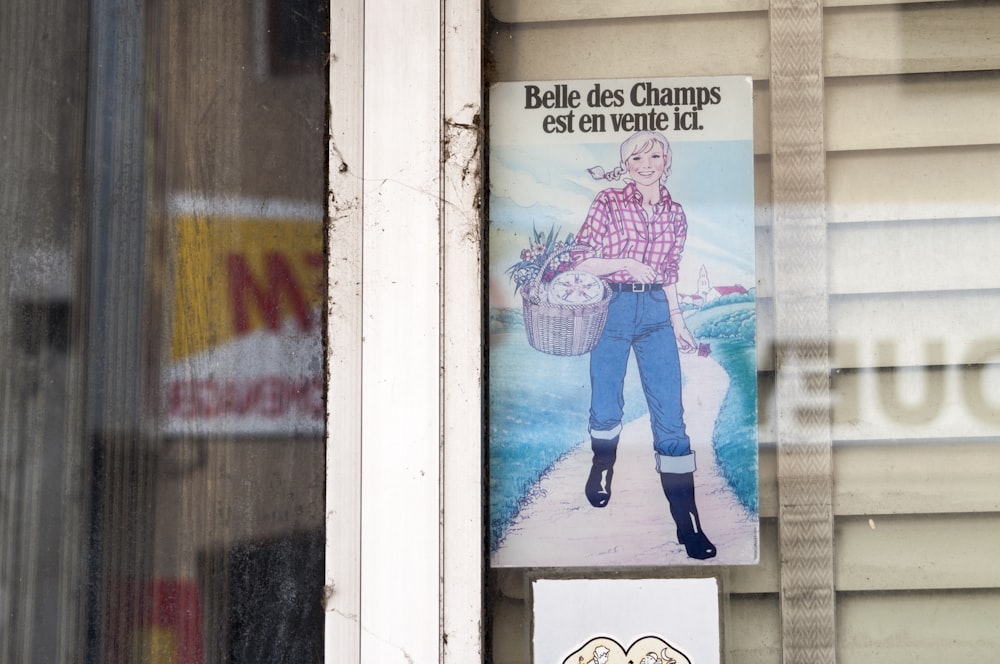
x=610, y=434
x=676, y=465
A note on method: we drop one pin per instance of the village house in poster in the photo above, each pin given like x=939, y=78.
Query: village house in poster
x=622, y=331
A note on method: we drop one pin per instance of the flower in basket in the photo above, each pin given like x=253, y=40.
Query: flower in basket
x=535, y=258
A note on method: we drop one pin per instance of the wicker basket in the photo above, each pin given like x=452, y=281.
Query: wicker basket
x=562, y=329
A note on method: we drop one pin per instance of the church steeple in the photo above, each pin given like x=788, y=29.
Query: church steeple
x=703, y=284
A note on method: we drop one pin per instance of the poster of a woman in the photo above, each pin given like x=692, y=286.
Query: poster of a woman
x=653, y=226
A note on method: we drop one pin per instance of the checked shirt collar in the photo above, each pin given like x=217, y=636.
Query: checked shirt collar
x=617, y=227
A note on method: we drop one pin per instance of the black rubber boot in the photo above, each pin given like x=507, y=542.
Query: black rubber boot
x=599, y=482
x=679, y=490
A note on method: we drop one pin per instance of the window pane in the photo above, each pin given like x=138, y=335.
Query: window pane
x=161, y=390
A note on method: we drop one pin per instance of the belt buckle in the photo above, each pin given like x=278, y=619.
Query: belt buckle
x=638, y=288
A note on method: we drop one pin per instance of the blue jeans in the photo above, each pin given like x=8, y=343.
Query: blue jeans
x=641, y=322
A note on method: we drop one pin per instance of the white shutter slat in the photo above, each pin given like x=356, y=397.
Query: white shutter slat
x=528, y=11
x=947, y=551
x=911, y=39
x=942, y=477
x=941, y=183
x=859, y=41
x=903, y=628
x=904, y=329
x=914, y=257
x=899, y=329
x=865, y=3
x=523, y=11
x=878, y=112
x=908, y=404
x=892, y=185
x=905, y=257
x=763, y=577
x=898, y=552
x=658, y=46
x=891, y=112
x=888, y=628
x=753, y=629
x=946, y=476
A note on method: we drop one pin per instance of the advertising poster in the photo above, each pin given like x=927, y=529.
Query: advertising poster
x=626, y=621
x=244, y=354
x=622, y=324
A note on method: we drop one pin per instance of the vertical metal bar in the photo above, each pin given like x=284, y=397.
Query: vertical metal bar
x=116, y=214
x=401, y=311
x=114, y=304
x=802, y=331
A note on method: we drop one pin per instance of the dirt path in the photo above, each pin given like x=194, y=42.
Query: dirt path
x=559, y=528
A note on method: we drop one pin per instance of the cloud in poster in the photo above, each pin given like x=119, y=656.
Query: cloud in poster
x=536, y=183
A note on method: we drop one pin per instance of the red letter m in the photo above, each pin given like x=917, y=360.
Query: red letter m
x=280, y=282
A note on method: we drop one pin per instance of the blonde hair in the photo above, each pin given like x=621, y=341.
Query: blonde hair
x=640, y=141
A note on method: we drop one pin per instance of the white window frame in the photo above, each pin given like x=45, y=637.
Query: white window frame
x=404, y=552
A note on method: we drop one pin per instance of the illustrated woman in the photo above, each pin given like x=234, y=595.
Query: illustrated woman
x=636, y=236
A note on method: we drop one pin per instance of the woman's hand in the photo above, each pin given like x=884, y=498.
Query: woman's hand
x=685, y=340
x=639, y=272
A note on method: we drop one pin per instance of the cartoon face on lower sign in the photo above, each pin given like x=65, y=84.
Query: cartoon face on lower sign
x=647, y=650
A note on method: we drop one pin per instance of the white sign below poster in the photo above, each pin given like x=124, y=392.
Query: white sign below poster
x=626, y=621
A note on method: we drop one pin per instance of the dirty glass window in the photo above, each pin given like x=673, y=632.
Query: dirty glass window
x=161, y=338
x=876, y=201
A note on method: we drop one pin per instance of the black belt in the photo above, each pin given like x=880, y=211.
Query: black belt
x=634, y=288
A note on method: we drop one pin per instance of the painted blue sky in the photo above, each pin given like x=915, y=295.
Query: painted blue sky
x=549, y=185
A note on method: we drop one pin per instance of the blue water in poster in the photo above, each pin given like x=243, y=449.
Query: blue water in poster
x=538, y=408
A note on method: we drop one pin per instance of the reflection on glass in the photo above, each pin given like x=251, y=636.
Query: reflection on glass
x=161, y=356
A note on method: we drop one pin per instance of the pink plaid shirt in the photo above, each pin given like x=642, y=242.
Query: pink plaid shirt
x=617, y=227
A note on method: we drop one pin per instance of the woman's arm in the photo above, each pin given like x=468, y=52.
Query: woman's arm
x=685, y=340
x=638, y=272
x=672, y=263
